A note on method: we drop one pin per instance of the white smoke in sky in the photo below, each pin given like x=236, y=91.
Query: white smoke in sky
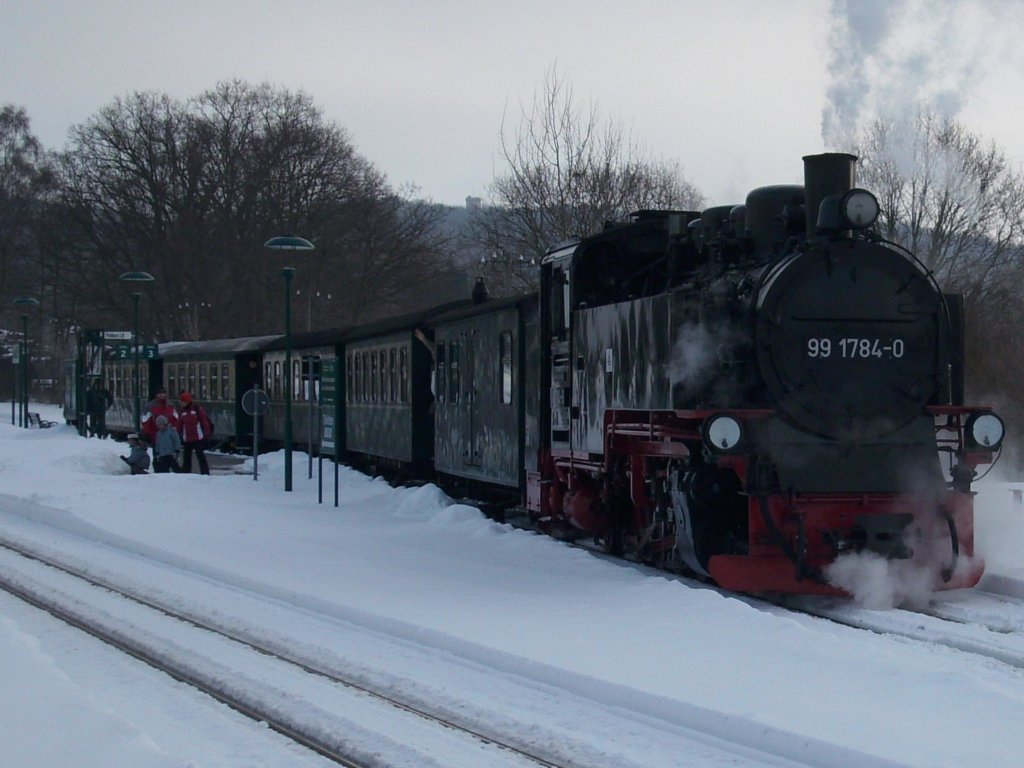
x=887, y=55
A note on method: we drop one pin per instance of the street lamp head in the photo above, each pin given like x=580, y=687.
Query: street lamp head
x=288, y=243
x=25, y=301
x=136, y=277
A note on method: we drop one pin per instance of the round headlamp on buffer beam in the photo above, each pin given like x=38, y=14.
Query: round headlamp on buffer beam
x=722, y=434
x=984, y=430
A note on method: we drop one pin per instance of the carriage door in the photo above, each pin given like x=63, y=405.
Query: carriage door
x=469, y=389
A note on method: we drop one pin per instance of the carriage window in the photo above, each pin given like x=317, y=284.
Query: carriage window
x=453, y=372
x=172, y=381
x=144, y=379
x=383, y=372
x=348, y=378
x=403, y=374
x=191, y=377
x=440, y=373
x=392, y=376
x=374, y=381
x=268, y=379
x=296, y=380
x=365, y=384
x=357, y=386
x=311, y=378
x=505, y=348
x=202, y=381
x=559, y=298
x=277, y=379
x=225, y=382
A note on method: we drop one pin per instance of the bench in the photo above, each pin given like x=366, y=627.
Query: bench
x=35, y=421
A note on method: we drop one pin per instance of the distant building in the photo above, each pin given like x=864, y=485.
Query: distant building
x=473, y=203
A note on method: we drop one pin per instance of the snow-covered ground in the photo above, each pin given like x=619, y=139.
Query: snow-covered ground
x=434, y=585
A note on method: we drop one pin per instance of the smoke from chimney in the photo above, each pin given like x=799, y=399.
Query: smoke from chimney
x=887, y=56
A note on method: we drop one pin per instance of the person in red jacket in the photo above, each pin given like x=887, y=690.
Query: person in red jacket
x=158, y=406
x=194, y=428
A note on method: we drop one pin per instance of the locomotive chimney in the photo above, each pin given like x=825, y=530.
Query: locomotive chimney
x=831, y=173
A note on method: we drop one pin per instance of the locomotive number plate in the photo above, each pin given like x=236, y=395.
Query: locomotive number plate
x=854, y=347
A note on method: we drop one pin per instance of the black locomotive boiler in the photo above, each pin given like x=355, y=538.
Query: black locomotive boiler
x=751, y=392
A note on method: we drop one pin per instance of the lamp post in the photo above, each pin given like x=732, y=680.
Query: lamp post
x=136, y=277
x=24, y=302
x=288, y=243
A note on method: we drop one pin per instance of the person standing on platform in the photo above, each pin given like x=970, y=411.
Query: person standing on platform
x=166, y=445
x=195, y=429
x=97, y=402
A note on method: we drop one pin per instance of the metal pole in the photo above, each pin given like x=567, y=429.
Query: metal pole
x=135, y=342
x=14, y=384
x=309, y=395
x=24, y=370
x=287, y=272
x=255, y=437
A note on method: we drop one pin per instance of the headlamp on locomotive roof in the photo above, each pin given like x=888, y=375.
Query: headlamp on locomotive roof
x=722, y=433
x=984, y=430
x=860, y=208
x=855, y=209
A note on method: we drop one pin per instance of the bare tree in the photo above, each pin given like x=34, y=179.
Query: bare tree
x=26, y=181
x=190, y=190
x=568, y=171
x=946, y=195
x=953, y=200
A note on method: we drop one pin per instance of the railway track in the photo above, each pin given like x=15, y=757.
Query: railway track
x=977, y=622
x=182, y=644
x=199, y=641
x=987, y=623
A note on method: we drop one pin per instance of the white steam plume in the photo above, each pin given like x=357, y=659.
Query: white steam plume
x=887, y=55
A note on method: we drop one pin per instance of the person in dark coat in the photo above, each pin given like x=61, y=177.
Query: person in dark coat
x=97, y=402
x=195, y=429
x=138, y=457
x=158, y=406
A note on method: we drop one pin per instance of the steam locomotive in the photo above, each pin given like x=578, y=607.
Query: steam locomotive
x=756, y=391
x=746, y=393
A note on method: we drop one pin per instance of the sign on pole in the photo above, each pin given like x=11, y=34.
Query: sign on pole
x=328, y=401
x=329, y=420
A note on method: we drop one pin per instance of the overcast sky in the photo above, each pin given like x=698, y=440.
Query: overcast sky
x=735, y=90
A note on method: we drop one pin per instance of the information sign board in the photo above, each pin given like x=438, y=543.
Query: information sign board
x=328, y=403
